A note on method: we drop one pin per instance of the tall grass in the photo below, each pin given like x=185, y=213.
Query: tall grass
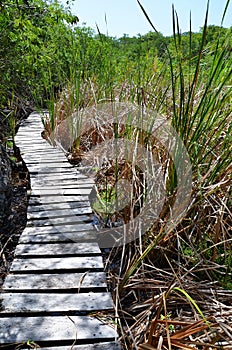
x=195, y=96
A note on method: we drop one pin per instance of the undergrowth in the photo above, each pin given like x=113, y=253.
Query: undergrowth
x=170, y=281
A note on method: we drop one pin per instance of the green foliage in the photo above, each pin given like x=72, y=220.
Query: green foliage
x=187, y=77
x=34, y=50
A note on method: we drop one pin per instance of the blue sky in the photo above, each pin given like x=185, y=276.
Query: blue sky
x=125, y=16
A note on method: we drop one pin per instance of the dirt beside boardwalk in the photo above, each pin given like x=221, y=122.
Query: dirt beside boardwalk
x=14, y=183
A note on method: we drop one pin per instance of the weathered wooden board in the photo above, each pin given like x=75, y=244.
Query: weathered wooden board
x=44, y=156
x=39, y=156
x=47, y=161
x=27, y=142
x=59, y=328
x=72, y=185
x=60, y=191
x=55, y=302
x=59, y=249
x=62, y=176
x=68, y=188
x=59, y=180
x=38, y=160
x=100, y=346
x=58, y=213
x=31, y=122
x=74, y=173
x=57, y=199
x=58, y=237
x=64, y=184
x=59, y=164
x=45, y=167
x=28, y=126
x=47, y=219
x=27, y=130
x=26, y=138
x=25, y=134
x=53, y=264
x=72, y=177
x=37, y=207
x=50, y=151
x=51, y=282
x=39, y=146
x=82, y=229
x=66, y=220
x=46, y=170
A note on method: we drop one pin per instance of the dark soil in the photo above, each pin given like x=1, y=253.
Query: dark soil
x=15, y=220
x=14, y=223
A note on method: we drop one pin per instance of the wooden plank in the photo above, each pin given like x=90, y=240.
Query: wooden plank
x=57, y=206
x=32, y=150
x=51, y=151
x=39, y=146
x=56, y=328
x=60, y=176
x=57, y=199
x=25, y=134
x=60, y=228
x=29, y=122
x=39, y=158
x=44, y=168
x=58, y=212
x=27, y=129
x=58, y=237
x=72, y=185
x=37, y=137
x=56, y=221
x=59, y=164
x=71, y=176
x=100, y=346
x=61, y=281
x=60, y=191
x=39, y=155
x=32, y=144
x=60, y=179
x=52, y=155
x=54, y=180
x=83, y=229
x=47, y=170
x=53, y=264
x=76, y=220
x=47, y=161
x=28, y=125
x=42, y=151
x=59, y=249
x=64, y=183
x=73, y=171
x=25, y=139
x=55, y=302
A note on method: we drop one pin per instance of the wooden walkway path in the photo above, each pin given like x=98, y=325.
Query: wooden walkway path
x=56, y=293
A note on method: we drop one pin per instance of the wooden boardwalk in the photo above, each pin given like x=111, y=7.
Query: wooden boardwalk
x=56, y=294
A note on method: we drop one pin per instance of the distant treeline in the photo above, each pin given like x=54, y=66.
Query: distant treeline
x=42, y=47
